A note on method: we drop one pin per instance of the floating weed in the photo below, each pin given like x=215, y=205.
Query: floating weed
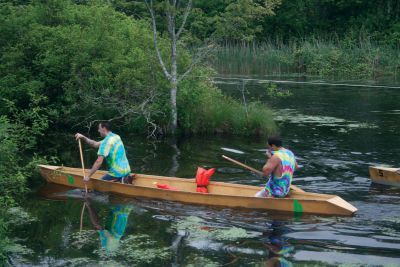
x=274, y=92
x=18, y=249
x=83, y=238
x=83, y=262
x=231, y=234
x=136, y=249
x=20, y=216
x=77, y=262
x=197, y=229
x=290, y=115
x=197, y=261
x=110, y=263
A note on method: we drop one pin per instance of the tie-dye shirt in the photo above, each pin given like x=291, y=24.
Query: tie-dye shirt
x=113, y=150
x=115, y=227
x=280, y=186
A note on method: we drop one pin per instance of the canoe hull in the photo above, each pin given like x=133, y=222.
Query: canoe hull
x=221, y=194
x=385, y=176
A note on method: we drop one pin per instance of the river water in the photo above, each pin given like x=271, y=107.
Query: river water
x=336, y=133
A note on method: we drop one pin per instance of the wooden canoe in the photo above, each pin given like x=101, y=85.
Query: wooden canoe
x=220, y=194
x=383, y=175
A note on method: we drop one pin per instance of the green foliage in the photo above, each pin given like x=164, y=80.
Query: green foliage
x=299, y=19
x=274, y=92
x=205, y=109
x=196, y=229
x=286, y=20
x=4, y=241
x=326, y=59
x=240, y=20
x=84, y=62
x=137, y=250
x=12, y=179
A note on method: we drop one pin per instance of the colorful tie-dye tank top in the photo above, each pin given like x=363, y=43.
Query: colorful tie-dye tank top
x=280, y=186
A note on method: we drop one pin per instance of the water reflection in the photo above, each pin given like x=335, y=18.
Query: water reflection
x=279, y=247
x=114, y=228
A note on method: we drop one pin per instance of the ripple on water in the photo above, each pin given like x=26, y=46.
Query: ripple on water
x=344, y=258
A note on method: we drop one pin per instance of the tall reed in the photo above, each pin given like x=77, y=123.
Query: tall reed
x=328, y=59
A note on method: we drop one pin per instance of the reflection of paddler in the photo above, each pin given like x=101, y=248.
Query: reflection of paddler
x=278, y=246
x=115, y=225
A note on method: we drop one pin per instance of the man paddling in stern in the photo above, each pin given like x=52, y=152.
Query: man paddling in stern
x=279, y=168
x=112, y=150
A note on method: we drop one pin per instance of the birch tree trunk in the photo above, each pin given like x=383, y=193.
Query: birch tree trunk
x=172, y=75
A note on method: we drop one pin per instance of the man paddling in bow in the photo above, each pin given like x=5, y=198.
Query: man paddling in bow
x=279, y=168
x=112, y=150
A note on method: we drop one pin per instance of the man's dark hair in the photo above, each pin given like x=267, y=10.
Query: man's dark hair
x=275, y=140
x=106, y=124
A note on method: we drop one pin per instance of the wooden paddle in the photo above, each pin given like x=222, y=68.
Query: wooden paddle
x=82, y=212
x=292, y=187
x=82, y=162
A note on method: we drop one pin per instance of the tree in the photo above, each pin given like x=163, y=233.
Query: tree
x=171, y=10
x=241, y=20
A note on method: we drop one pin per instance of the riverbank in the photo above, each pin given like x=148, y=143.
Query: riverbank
x=325, y=59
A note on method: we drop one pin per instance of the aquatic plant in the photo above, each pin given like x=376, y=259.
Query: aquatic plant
x=195, y=261
x=293, y=116
x=136, y=249
x=327, y=59
x=83, y=238
x=83, y=262
x=274, y=92
x=205, y=109
x=197, y=229
x=20, y=216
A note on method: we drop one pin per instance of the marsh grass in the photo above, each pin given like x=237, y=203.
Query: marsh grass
x=329, y=59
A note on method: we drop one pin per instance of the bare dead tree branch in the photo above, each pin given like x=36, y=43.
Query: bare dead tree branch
x=153, y=22
x=185, y=16
x=202, y=53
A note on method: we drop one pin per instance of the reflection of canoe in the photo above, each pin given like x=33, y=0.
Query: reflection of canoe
x=220, y=194
x=386, y=176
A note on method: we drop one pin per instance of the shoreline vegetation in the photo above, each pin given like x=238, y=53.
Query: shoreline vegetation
x=325, y=59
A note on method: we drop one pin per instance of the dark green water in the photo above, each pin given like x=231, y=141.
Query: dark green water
x=336, y=132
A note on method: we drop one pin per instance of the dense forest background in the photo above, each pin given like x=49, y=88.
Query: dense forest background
x=284, y=20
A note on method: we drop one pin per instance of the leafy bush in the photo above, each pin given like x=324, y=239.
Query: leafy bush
x=205, y=109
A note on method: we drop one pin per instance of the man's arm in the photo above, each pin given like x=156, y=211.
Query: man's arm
x=89, y=141
x=95, y=167
x=271, y=165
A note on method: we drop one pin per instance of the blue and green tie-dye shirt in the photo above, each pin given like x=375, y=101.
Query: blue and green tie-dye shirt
x=113, y=150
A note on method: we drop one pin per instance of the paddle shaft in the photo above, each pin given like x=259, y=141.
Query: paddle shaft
x=293, y=187
x=82, y=212
x=82, y=162
x=243, y=165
